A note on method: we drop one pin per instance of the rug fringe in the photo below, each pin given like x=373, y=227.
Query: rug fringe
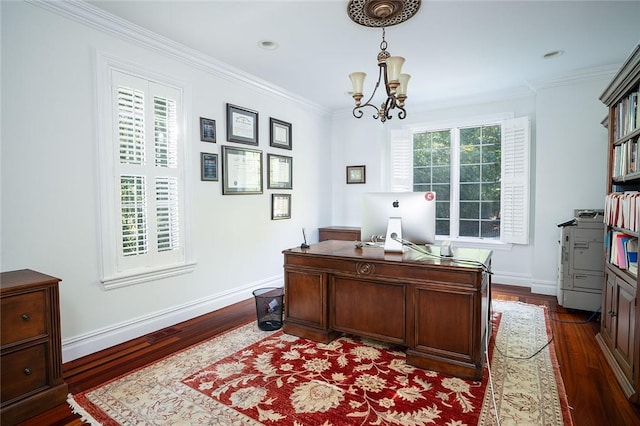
x=84, y=415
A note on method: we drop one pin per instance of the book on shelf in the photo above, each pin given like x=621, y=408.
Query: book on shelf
x=631, y=250
x=625, y=158
x=627, y=115
x=623, y=249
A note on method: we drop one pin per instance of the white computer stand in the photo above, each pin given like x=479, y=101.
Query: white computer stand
x=390, y=243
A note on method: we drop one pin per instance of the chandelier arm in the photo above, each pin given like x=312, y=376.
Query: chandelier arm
x=357, y=111
x=383, y=67
x=375, y=89
x=388, y=106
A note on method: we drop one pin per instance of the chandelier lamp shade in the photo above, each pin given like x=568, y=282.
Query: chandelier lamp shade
x=382, y=13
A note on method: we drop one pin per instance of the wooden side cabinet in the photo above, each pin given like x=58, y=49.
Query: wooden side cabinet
x=31, y=348
x=617, y=330
x=344, y=233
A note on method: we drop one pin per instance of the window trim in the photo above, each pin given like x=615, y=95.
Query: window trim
x=110, y=276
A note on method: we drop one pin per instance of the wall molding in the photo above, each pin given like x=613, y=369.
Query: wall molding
x=96, y=18
x=97, y=340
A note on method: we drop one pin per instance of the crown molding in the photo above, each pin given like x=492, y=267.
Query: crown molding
x=607, y=71
x=96, y=18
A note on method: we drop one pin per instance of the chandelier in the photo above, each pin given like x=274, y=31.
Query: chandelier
x=382, y=13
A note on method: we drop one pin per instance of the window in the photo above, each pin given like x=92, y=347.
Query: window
x=144, y=233
x=478, y=172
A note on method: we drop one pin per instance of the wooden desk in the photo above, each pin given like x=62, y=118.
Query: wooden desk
x=437, y=309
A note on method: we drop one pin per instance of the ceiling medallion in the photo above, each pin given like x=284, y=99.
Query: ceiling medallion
x=382, y=13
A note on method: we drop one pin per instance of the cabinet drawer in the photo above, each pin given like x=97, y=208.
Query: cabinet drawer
x=23, y=317
x=23, y=371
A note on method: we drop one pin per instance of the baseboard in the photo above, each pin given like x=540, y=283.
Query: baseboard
x=548, y=288
x=97, y=340
x=508, y=278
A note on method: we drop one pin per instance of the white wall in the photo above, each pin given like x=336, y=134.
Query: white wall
x=568, y=165
x=50, y=194
x=571, y=163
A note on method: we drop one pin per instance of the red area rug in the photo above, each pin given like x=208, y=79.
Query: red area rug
x=349, y=381
x=249, y=377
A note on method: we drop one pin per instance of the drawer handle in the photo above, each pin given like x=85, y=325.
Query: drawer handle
x=27, y=371
x=26, y=317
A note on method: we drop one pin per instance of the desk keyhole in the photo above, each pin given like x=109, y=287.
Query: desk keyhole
x=26, y=317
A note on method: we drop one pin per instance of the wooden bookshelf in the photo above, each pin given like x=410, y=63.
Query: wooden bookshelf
x=619, y=336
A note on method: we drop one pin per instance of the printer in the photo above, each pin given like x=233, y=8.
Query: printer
x=581, y=263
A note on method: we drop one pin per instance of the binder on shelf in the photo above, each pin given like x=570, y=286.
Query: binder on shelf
x=622, y=210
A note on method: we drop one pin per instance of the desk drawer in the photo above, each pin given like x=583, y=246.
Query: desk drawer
x=23, y=317
x=23, y=371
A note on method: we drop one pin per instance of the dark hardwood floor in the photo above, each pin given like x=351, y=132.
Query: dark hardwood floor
x=594, y=396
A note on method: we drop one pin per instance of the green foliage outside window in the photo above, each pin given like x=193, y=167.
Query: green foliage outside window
x=478, y=173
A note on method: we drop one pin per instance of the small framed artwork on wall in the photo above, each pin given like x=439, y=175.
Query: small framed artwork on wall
x=208, y=166
x=356, y=174
x=207, y=130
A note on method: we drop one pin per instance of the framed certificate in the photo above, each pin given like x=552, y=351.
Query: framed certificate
x=279, y=171
x=241, y=171
x=280, y=133
x=242, y=125
x=280, y=206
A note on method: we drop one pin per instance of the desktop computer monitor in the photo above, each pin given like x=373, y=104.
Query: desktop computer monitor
x=410, y=215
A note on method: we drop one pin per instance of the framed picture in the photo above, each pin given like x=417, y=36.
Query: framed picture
x=242, y=125
x=279, y=171
x=241, y=171
x=280, y=206
x=207, y=130
x=356, y=174
x=280, y=133
x=208, y=166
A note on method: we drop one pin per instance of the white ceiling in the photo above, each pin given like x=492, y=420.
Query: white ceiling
x=453, y=49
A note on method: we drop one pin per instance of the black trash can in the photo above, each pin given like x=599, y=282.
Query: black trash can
x=269, y=303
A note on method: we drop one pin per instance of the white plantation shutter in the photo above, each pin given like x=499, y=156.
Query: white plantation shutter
x=401, y=157
x=165, y=131
x=166, y=183
x=148, y=176
x=131, y=136
x=133, y=202
x=167, y=214
x=514, y=220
